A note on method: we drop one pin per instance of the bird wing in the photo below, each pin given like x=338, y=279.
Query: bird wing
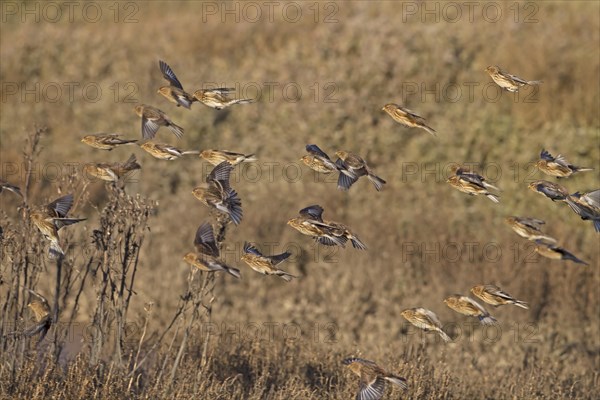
x=313, y=212
x=205, y=240
x=250, y=249
x=169, y=75
x=61, y=206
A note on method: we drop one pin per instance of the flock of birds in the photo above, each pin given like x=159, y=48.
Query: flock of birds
x=217, y=194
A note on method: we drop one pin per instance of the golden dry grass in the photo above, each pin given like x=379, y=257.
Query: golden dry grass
x=426, y=241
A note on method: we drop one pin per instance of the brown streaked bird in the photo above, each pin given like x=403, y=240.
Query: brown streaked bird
x=467, y=306
x=318, y=160
x=153, y=119
x=106, y=141
x=557, y=166
x=164, y=151
x=328, y=233
x=492, y=294
x=112, y=172
x=557, y=253
x=41, y=311
x=217, y=193
x=352, y=167
x=174, y=92
x=472, y=183
x=529, y=228
x=11, y=188
x=587, y=206
x=551, y=190
x=266, y=265
x=425, y=319
x=218, y=98
x=372, y=378
x=207, y=256
x=507, y=81
x=51, y=218
x=406, y=117
x=216, y=157
x=344, y=232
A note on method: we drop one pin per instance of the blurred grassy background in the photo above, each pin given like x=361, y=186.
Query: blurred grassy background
x=363, y=56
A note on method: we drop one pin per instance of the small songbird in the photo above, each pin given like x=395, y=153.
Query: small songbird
x=106, y=141
x=112, y=172
x=174, y=92
x=153, y=119
x=512, y=83
x=557, y=253
x=50, y=218
x=11, y=188
x=164, y=151
x=218, y=98
x=529, y=228
x=217, y=193
x=587, y=206
x=472, y=183
x=426, y=320
x=371, y=385
x=352, y=167
x=344, y=232
x=492, y=294
x=207, y=256
x=551, y=190
x=406, y=117
x=318, y=160
x=41, y=311
x=216, y=157
x=467, y=306
x=557, y=166
x=266, y=265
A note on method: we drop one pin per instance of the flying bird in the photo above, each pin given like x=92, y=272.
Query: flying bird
x=557, y=166
x=372, y=378
x=551, y=190
x=472, y=183
x=352, y=167
x=164, y=151
x=218, y=98
x=492, y=294
x=529, y=228
x=11, y=188
x=467, y=306
x=174, y=92
x=49, y=219
x=266, y=265
x=207, y=257
x=557, y=253
x=215, y=157
x=112, y=172
x=318, y=160
x=153, y=119
x=407, y=118
x=426, y=320
x=106, y=141
x=216, y=193
x=587, y=206
x=41, y=311
x=507, y=81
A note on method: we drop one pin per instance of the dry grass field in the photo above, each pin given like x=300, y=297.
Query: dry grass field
x=135, y=321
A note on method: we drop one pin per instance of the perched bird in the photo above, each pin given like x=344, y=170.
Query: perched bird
x=406, y=117
x=512, y=83
x=529, y=228
x=557, y=253
x=112, y=172
x=493, y=295
x=472, y=183
x=216, y=157
x=218, y=98
x=41, y=311
x=106, y=141
x=557, y=166
x=551, y=190
x=353, y=167
x=467, y=306
x=318, y=160
x=587, y=206
x=50, y=218
x=266, y=265
x=153, y=119
x=207, y=256
x=164, y=151
x=217, y=193
x=174, y=92
x=372, y=378
x=11, y=188
x=426, y=320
